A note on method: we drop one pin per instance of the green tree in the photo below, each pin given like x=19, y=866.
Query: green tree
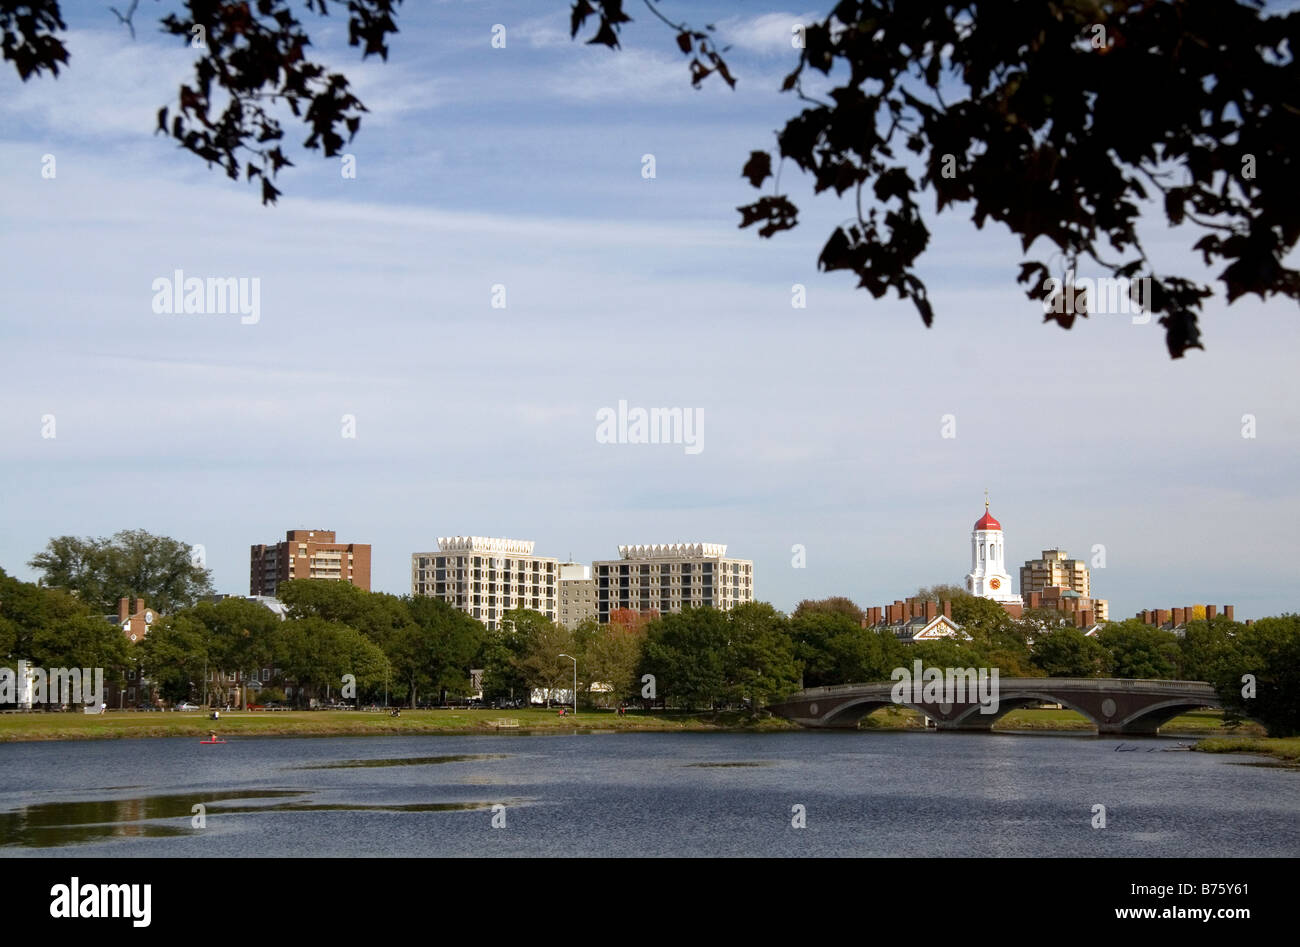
x=1139, y=651
x=439, y=648
x=760, y=657
x=375, y=614
x=942, y=593
x=1036, y=620
x=82, y=641
x=835, y=605
x=316, y=653
x=834, y=650
x=133, y=563
x=685, y=653
x=502, y=657
x=997, y=639
x=176, y=655
x=942, y=653
x=240, y=636
x=1068, y=652
x=609, y=655
x=26, y=609
x=539, y=662
x=1269, y=651
x=1207, y=649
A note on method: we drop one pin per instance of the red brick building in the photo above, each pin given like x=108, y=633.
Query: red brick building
x=1176, y=619
x=308, y=554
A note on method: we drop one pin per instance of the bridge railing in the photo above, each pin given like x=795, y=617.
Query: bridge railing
x=1065, y=683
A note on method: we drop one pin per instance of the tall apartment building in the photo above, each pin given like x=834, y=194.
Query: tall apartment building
x=577, y=594
x=486, y=577
x=1054, y=570
x=308, y=554
x=1084, y=609
x=664, y=578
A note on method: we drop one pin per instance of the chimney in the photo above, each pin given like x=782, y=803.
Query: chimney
x=1210, y=612
x=947, y=609
x=1227, y=612
x=931, y=611
x=123, y=612
x=1178, y=617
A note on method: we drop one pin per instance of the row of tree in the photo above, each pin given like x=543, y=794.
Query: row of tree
x=420, y=649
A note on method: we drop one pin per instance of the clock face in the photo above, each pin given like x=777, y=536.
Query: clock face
x=995, y=584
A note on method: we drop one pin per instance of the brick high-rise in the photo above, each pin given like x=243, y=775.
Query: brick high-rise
x=308, y=554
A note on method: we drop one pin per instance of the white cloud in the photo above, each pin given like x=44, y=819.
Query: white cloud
x=769, y=33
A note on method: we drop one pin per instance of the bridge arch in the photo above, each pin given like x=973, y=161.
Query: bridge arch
x=1150, y=719
x=1015, y=702
x=852, y=711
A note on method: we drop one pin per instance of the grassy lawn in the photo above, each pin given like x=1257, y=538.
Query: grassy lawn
x=67, y=726
x=1286, y=749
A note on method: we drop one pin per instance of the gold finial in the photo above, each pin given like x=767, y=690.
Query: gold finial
x=986, y=499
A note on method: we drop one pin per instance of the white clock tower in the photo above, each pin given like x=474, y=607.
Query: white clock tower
x=988, y=576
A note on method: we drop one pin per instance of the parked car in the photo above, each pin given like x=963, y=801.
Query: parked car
x=187, y=706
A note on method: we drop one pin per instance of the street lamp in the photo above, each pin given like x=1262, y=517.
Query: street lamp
x=575, y=681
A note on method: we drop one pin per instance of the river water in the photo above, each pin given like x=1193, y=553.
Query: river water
x=644, y=794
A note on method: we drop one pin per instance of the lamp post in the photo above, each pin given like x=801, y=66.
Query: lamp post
x=575, y=681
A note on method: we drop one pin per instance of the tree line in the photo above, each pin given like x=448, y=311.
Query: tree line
x=421, y=650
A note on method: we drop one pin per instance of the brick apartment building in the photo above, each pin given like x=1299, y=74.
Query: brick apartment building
x=914, y=619
x=308, y=554
x=1083, y=610
x=1176, y=619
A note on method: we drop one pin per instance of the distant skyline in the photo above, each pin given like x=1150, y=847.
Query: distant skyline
x=522, y=168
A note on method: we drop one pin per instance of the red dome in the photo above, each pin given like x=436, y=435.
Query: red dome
x=987, y=522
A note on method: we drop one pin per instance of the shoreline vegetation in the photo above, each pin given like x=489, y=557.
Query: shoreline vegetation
x=37, y=727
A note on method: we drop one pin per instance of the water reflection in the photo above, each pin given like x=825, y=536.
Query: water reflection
x=409, y=761
x=49, y=824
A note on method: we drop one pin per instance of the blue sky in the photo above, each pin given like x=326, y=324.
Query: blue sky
x=522, y=166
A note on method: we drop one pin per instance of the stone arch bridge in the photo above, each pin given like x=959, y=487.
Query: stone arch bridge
x=1113, y=705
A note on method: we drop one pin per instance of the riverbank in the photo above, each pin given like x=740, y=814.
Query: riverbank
x=322, y=723
x=319, y=723
x=1284, y=749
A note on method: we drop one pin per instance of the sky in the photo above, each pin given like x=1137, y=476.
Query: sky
x=480, y=168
